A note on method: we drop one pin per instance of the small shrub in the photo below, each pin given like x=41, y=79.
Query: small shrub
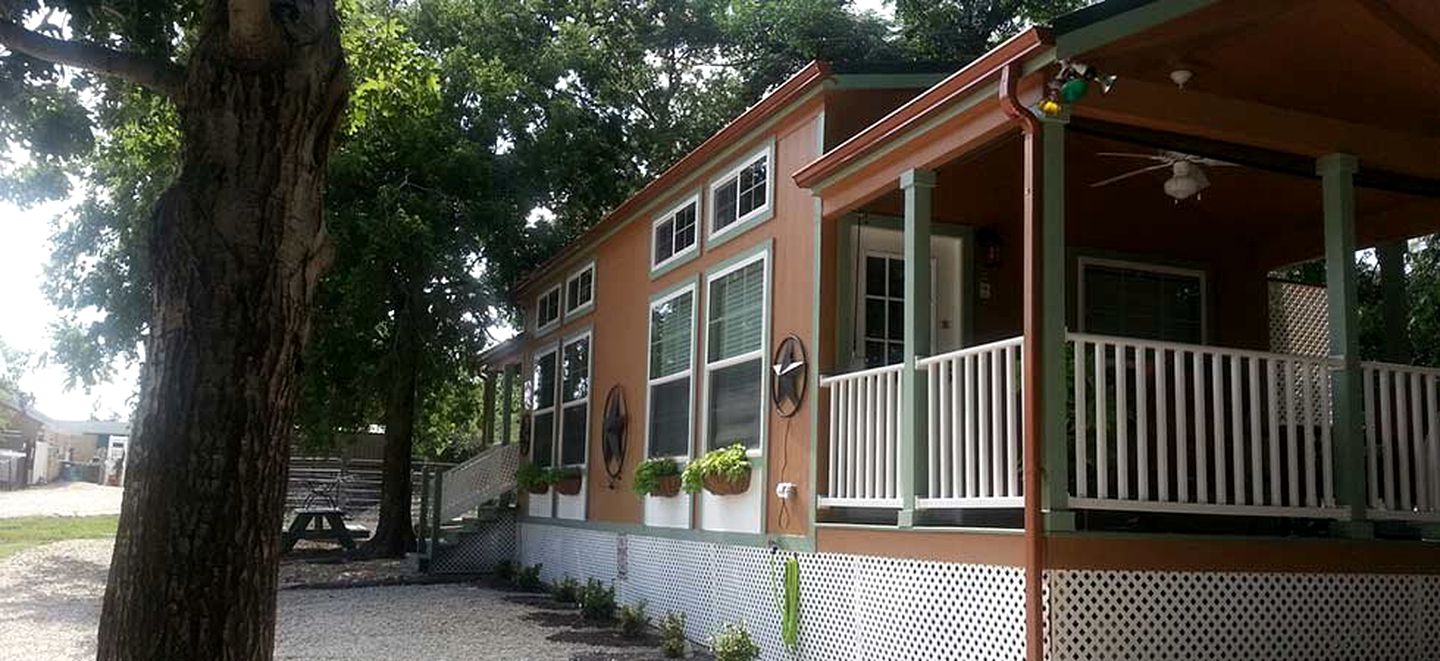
x=597, y=602
x=505, y=571
x=528, y=578
x=566, y=590
x=733, y=643
x=532, y=478
x=633, y=620
x=672, y=635
x=730, y=463
x=649, y=472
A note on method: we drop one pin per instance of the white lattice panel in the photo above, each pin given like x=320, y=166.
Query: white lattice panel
x=479, y=551
x=852, y=607
x=1201, y=616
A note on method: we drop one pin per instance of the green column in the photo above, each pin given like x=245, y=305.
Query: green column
x=1054, y=394
x=1393, y=304
x=1337, y=175
x=917, y=185
x=507, y=402
x=487, y=418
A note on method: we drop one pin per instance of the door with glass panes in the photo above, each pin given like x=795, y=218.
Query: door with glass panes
x=882, y=308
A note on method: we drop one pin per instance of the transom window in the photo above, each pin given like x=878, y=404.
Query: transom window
x=742, y=194
x=735, y=361
x=675, y=233
x=672, y=326
x=580, y=290
x=547, y=309
x=1142, y=301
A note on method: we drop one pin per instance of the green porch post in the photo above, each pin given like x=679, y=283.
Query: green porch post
x=507, y=401
x=917, y=185
x=487, y=433
x=1337, y=175
x=1056, y=446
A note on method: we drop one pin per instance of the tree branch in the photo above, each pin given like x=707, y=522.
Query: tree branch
x=159, y=75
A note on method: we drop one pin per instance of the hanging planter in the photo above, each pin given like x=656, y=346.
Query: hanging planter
x=723, y=472
x=533, y=479
x=658, y=477
x=568, y=481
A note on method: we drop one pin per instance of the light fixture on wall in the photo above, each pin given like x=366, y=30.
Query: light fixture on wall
x=1070, y=84
x=990, y=246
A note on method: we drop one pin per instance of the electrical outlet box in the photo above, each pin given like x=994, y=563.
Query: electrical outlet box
x=785, y=490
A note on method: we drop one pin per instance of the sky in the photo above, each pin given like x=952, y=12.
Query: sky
x=26, y=314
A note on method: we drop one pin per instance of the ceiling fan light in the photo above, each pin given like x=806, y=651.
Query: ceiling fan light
x=1185, y=186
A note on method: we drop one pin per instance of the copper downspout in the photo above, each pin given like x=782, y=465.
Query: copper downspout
x=1030, y=375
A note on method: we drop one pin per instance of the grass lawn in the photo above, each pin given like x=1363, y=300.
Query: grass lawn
x=25, y=532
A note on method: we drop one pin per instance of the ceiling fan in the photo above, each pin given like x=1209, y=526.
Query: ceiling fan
x=1187, y=174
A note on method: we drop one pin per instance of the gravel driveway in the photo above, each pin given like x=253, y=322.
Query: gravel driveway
x=50, y=604
x=61, y=499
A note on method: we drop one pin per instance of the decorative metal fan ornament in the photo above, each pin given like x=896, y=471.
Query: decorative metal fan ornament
x=612, y=442
x=790, y=376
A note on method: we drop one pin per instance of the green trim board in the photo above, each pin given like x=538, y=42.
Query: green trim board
x=817, y=253
x=1056, y=448
x=783, y=542
x=917, y=186
x=1111, y=21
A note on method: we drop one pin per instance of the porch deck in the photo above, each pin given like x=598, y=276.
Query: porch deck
x=1150, y=427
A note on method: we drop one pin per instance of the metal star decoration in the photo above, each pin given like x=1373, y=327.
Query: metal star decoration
x=613, y=432
x=787, y=388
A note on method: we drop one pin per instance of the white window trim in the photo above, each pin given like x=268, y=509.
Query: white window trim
x=681, y=255
x=1082, y=262
x=536, y=411
x=742, y=222
x=562, y=405
x=541, y=329
x=763, y=256
x=689, y=370
x=589, y=305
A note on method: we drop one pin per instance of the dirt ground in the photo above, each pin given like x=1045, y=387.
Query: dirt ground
x=61, y=499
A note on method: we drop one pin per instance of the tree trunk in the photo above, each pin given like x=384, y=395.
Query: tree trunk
x=236, y=246
x=395, y=533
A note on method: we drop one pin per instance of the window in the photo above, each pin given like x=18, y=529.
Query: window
x=884, y=309
x=1142, y=301
x=575, y=400
x=741, y=195
x=547, y=309
x=735, y=361
x=580, y=290
x=672, y=326
x=674, y=233
x=542, y=421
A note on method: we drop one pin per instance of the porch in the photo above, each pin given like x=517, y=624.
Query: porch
x=1183, y=261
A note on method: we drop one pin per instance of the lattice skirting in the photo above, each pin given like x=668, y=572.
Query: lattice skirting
x=1205, y=616
x=852, y=607
x=479, y=551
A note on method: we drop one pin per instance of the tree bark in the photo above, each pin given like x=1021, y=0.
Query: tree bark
x=395, y=532
x=236, y=246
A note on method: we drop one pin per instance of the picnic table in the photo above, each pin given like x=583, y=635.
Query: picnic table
x=325, y=525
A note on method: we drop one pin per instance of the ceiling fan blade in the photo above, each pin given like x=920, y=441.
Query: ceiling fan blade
x=1148, y=157
x=1212, y=163
x=1127, y=175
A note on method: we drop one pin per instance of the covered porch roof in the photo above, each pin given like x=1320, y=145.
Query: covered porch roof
x=1275, y=85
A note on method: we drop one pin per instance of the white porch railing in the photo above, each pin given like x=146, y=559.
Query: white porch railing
x=1163, y=426
x=1402, y=432
x=864, y=438
x=974, y=434
x=482, y=478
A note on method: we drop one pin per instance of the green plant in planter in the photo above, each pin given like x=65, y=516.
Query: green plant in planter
x=533, y=478
x=633, y=620
x=733, y=643
x=567, y=480
x=724, y=471
x=597, y=602
x=672, y=635
x=659, y=476
x=566, y=590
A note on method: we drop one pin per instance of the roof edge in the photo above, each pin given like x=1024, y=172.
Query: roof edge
x=908, y=115
x=793, y=88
